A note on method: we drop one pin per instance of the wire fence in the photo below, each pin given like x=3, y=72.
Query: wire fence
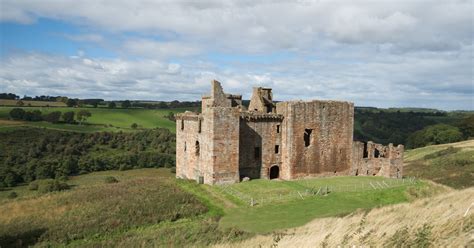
x=309, y=190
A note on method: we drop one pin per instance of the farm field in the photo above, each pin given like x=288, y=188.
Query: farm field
x=6, y=102
x=102, y=119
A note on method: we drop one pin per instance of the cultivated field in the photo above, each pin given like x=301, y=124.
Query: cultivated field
x=102, y=119
x=6, y=102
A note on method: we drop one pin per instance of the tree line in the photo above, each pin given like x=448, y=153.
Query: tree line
x=69, y=117
x=28, y=154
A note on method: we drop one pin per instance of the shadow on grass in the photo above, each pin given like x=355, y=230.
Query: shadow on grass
x=25, y=239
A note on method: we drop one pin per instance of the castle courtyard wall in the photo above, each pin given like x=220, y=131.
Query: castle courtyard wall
x=330, y=145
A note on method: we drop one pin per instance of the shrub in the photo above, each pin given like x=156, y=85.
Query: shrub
x=12, y=195
x=53, y=117
x=17, y=113
x=173, y=170
x=33, y=185
x=52, y=186
x=111, y=179
x=134, y=125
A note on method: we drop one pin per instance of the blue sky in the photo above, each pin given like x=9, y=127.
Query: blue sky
x=373, y=53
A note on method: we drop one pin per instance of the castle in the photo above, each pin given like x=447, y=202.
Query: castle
x=288, y=140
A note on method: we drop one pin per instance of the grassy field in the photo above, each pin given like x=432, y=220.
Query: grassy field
x=442, y=220
x=6, y=102
x=152, y=208
x=448, y=164
x=280, y=205
x=102, y=119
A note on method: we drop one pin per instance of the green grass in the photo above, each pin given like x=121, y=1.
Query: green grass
x=290, y=212
x=448, y=164
x=103, y=119
x=151, y=208
x=144, y=206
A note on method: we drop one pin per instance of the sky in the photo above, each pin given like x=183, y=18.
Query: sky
x=380, y=53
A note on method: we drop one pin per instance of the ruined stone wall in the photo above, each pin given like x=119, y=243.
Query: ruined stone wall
x=261, y=132
x=223, y=162
x=370, y=159
x=187, y=153
x=330, y=143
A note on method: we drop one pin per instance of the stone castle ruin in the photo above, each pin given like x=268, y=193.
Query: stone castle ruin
x=288, y=140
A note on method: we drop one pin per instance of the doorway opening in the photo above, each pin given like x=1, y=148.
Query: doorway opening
x=274, y=172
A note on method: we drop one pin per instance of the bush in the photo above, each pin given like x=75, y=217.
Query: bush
x=52, y=185
x=111, y=179
x=12, y=195
x=173, y=170
x=53, y=117
x=134, y=125
x=33, y=185
x=68, y=117
x=17, y=113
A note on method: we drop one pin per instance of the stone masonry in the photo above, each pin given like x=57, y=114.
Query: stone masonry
x=288, y=140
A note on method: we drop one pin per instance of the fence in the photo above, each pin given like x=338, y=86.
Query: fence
x=309, y=191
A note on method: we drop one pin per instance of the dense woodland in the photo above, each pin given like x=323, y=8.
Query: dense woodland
x=412, y=129
x=28, y=154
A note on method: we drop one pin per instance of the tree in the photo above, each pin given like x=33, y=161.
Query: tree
x=17, y=114
x=434, y=135
x=126, y=104
x=134, y=125
x=467, y=127
x=112, y=105
x=71, y=102
x=68, y=117
x=82, y=115
x=34, y=115
x=53, y=117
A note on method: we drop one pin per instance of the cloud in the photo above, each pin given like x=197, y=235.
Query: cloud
x=411, y=81
x=85, y=37
x=259, y=26
x=375, y=53
x=160, y=49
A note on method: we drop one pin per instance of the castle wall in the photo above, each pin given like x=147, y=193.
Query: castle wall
x=258, y=138
x=188, y=160
x=223, y=157
x=329, y=151
x=372, y=159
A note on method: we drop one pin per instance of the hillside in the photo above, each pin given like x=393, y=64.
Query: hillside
x=446, y=220
x=449, y=164
x=152, y=208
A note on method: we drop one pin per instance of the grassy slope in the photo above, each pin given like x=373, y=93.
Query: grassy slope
x=292, y=212
x=440, y=221
x=145, y=207
x=69, y=217
x=449, y=164
x=101, y=119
